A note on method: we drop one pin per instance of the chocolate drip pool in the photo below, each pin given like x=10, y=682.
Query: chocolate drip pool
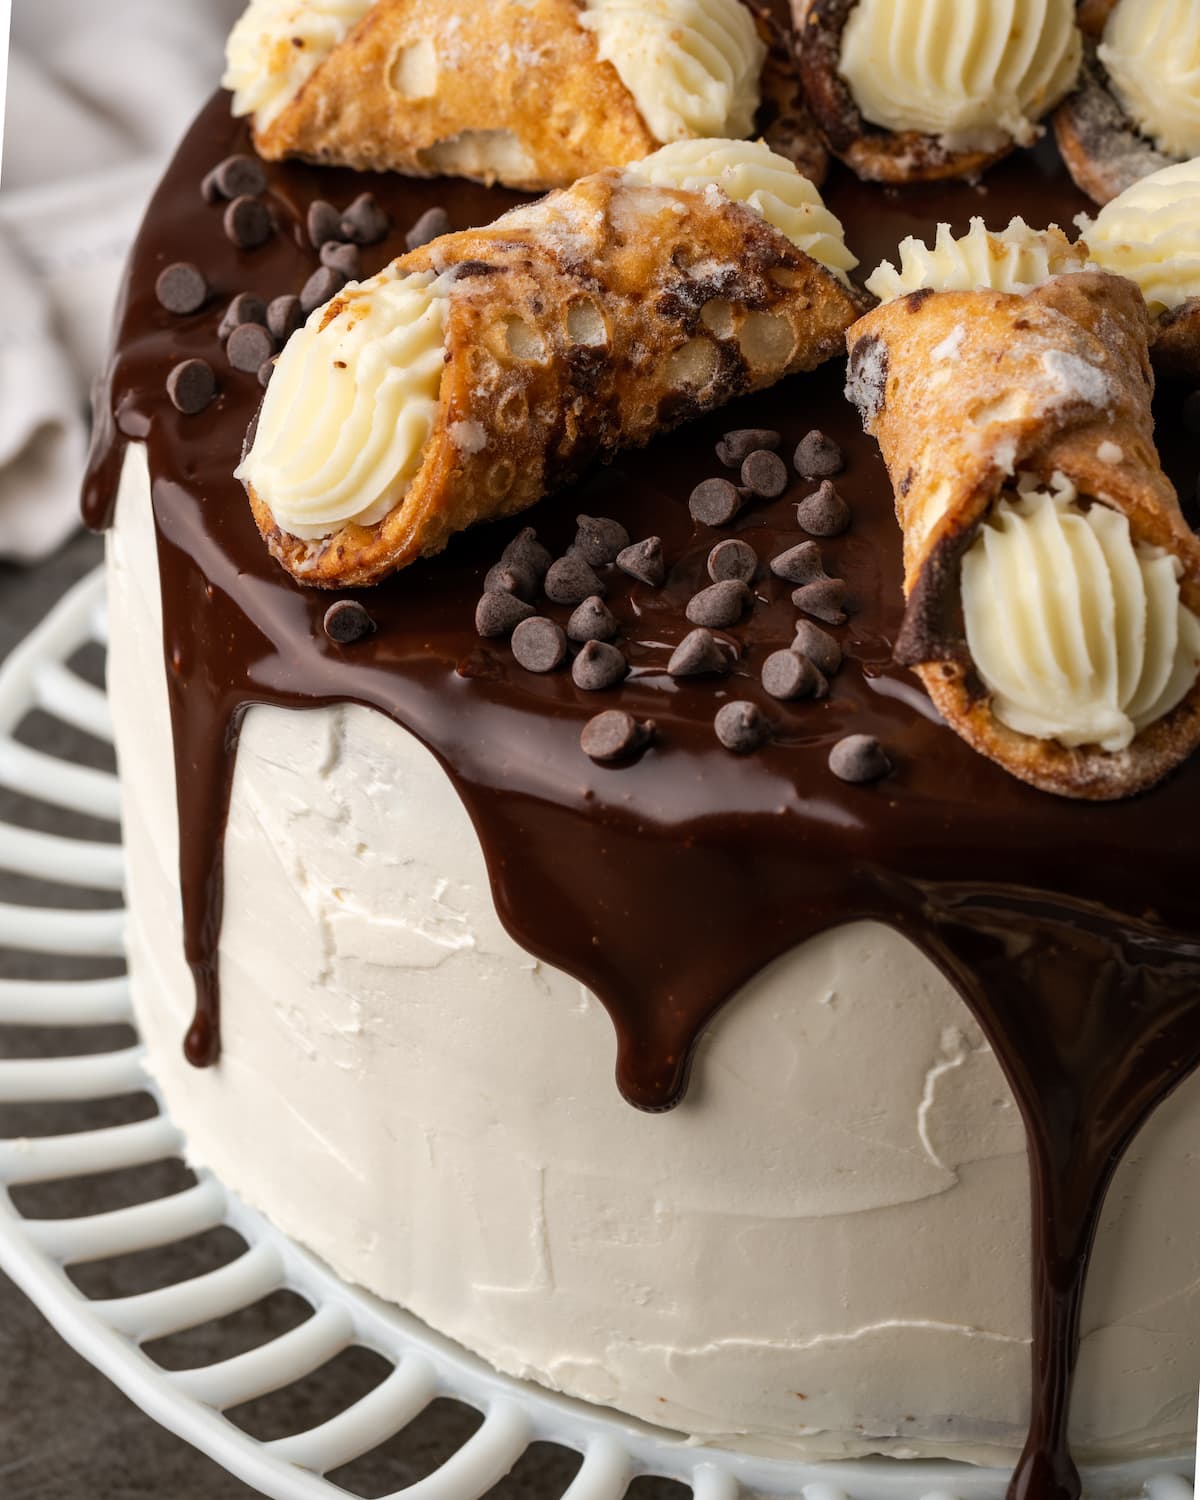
x=1069, y=929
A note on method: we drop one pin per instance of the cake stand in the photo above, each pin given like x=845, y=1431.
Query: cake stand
x=110, y=1333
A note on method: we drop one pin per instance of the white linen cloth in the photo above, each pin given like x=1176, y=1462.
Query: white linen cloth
x=98, y=96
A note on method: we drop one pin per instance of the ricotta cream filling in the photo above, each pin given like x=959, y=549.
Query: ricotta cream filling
x=1151, y=50
x=1077, y=631
x=277, y=45
x=1151, y=233
x=1013, y=260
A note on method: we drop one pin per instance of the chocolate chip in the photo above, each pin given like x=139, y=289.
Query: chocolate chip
x=265, y=371
x=615, y=733
x=527, y=552
x=599, y=540
x=823, y=599
x=787, y=675
x=247, y=223
x=181, y=288
x=818, y=457
x=511, y=578
x=499, y=613
x=364, y=222
x=342, y=257
x=210, y=188
x=698, y=655
x=245, y=308
x=284, y=317
x=191, y=385
x=347, y=621
x=800, y=564
x=765, y=474
x=859, y=758
x=644, y=561
x=571, y=581
x=432, y=224
x=598, y=666
x=819, y=646
x=824, y=512
x=719, y=605
x=323, y=223
x=539, y=645
x=735, y=447
x=742, y=727
x=732, y=560
x=237, y=177
x=319, y=288
x=249, y=345
x=715, y=502
x=592, y=621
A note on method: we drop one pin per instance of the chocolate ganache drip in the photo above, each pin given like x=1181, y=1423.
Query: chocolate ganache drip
x=666, y=882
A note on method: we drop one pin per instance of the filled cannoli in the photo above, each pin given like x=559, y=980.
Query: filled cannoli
x=532, y=94
x=1052, y=582
x=919, y=90
x=1137, y=105
x=476, y=374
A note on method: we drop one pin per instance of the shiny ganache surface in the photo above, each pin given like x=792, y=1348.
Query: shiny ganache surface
x=1070, y=929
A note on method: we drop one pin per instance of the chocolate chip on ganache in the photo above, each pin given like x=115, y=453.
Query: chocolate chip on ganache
x=765, y=474
x=715, y=502
x=736, y=446
x=320, y=287
x=824, y=512
x=248, y=223
x=614, y=734
x=699, y=654
x=818, y=457
x=432, y=224
x=742, y=727
x=824, y=599
x=598, y=666
x=539, y=645
x=499, y=613
x=592, y=621
x=181, y=288
x=365, y=222
x=284, y=316
x=347, y=621
x=527, y=552
x=644, y=561
x=240, y=176
x=570, y=580
x=787, y=675
x=245, y=308
x=323, y=223
x=802, y=564
x=599, y=540
x=859, y=758
x=819, y=646
x=511, y=578
x=265, y=371
x=719, y=605
x=343, y=257
x=191, y=385
x=249, y=346
x=732, y=560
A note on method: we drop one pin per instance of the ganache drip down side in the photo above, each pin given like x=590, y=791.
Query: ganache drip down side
x=1070, y=929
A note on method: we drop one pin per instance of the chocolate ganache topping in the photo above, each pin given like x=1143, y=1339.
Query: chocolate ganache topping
x=666, y=879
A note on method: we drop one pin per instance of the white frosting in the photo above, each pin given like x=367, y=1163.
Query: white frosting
x=277, y=45
x=351, y=406
x=1151, y=233
x=692, y=66
x=1078, y=633
x=839, y=1211
x=975, y=73
x=1151, y=50
x=1013, y=260
x=750, y=172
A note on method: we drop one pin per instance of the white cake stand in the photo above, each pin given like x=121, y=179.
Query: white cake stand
x=191, y=1403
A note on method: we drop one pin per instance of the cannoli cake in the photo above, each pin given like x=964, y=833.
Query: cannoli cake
x=657, y=723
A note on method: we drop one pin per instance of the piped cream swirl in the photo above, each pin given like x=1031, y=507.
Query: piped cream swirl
x=351, y=406
x=1151, y=51
x=1013, y=260
x=1151, y=233
x=975, y=73
x=750, y=172
x=277, y=45
x=692, y=66
x=1078, y=632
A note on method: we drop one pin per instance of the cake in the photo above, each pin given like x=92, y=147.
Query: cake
x=470, y=758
